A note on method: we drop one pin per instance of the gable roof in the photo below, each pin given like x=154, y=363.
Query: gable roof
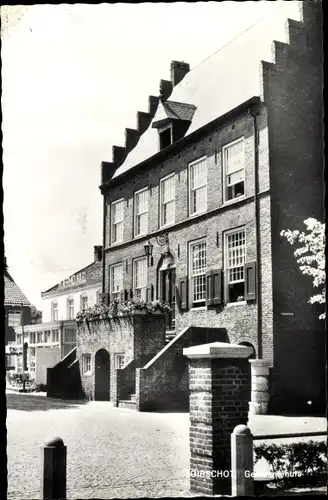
x=92, y=275
x=13, y=294
x=222, y=82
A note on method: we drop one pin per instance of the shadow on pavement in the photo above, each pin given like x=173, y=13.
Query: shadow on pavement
x=29, y=402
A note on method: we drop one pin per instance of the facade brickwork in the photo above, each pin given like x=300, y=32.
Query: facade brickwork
x=138, y=338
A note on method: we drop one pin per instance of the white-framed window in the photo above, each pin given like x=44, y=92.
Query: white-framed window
x=117, y=217
x=234, y=170
x=116, y=281
x=32, y=338
x=47, y=336
x=86, y=363
x=140, y=277
x=55, y=335
x=119, y=360
x=165, y=135
x=84, y=302
x=39, y=337
x=198, y=186
x=54, y=310
x=141, y=212
x=167, y=194
x=70, y=308
x=14, y=318
x=19, y=338
x=197, y=272
x=70, y=335
x=235, y=256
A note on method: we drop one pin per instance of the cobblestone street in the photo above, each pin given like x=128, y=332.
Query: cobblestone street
x=111, y=452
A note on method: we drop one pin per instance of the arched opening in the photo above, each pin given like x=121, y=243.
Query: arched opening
x=166, y=286
x=248, y=344
x=102, y=375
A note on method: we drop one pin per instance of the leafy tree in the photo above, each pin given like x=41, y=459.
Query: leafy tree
x=311, y=255
x=36, y=316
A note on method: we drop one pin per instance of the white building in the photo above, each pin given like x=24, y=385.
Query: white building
x=58, y=330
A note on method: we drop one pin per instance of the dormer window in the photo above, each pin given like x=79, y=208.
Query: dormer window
x=172, y=121
x=165, y=137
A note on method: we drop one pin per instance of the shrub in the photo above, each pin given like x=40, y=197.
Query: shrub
x=305, y=460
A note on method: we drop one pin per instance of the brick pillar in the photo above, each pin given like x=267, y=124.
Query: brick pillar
x=219, y=385
x=260, y=387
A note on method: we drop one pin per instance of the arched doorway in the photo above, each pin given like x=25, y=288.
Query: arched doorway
x=166, y=286
x=102, y=375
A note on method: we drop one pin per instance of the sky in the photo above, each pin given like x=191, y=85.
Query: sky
x=73, y=78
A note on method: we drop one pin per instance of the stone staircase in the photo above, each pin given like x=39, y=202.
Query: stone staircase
x=169, y=335
x=128, y=403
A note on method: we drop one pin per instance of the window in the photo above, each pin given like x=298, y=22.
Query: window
x=141, y=212
x=98, y=296
x=14, y=318
x=47, y=337
x=84, y=302
x=165, y=138
x=32, y=338
x=235, y=245
x=116, y=281
x=39, y=337
x=54, y=311
x=19, y=338
x=167, y=193
x=198, y=187
x=234, y=169
x=70, y=335
x=70, y=308
x=86, y=363
x=197, y=273
x=55, y=335
x=117, y=221
x=140, y=277
x=32, y=352
x=119, y=360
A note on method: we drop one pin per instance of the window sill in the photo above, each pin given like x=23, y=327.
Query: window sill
x=87, y=374
x=196, y=214
x=240, y=303
x=117, y=243
x=202, y=308
x=234, y=200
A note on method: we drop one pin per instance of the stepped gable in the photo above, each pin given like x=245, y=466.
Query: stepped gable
x=225, y=80
x=13, y=294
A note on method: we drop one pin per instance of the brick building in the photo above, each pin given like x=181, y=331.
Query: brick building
x=54, y=338
x=17, y=312
x=228, y=155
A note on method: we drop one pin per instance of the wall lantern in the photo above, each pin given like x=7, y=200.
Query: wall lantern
x=149, y=249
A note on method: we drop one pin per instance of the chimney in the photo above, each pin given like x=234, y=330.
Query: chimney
x=179, y=69
x=98, y=253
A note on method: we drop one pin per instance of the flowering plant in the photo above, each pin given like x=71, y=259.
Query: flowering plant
x=116, y=308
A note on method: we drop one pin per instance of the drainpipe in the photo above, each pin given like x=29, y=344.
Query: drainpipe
x=254, y=112
x=104, y=242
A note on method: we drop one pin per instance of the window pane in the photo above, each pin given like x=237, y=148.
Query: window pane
x=234, y=156
x=14, y=319
x=198, y=269
x=236, y=244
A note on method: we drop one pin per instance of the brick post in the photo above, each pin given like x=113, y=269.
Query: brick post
x=260, y=387
x=219, y=384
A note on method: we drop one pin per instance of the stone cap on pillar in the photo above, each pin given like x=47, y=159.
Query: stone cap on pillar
x=259, y=362
x=218, y=350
